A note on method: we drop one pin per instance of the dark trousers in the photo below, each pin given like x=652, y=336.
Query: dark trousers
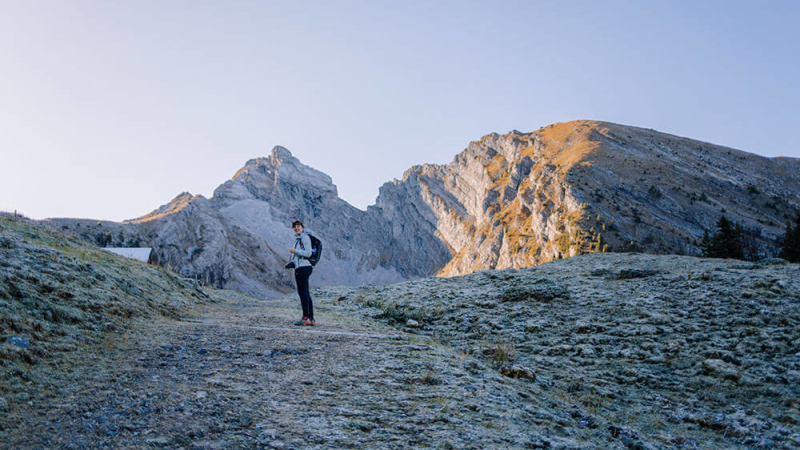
x=301, y=275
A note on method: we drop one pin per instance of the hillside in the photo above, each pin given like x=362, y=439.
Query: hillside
x=597, y=351
x=650, y=351
x=61, y=300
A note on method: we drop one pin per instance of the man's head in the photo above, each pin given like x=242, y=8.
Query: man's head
x=297, y=226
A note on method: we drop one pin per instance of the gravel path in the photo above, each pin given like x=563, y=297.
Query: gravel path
x=241, y=376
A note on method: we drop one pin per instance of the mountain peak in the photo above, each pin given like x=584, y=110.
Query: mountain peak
x=280, y=154
x=520, y=199
x=279, y=172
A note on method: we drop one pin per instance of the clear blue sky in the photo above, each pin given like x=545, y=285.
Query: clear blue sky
x=109, y=109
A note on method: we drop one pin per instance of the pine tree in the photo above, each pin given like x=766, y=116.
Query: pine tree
x=726, y=241
x=735, y=242
x=705, y=243
x=790, y=246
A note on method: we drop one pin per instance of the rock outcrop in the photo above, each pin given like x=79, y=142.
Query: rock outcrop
x=507, y=201
x=521, y=199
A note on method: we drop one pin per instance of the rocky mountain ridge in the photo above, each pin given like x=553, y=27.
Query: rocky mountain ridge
x=514, y=200
x=521, y=199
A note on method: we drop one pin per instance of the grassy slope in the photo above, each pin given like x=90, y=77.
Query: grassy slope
x=60, y=297
x=670, y=349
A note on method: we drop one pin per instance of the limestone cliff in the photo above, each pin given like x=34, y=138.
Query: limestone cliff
x=520, y=199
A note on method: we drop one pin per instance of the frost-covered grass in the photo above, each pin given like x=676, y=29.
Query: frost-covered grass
x=655, y=350
x=59, y=295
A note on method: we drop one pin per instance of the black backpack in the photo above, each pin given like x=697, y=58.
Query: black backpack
x=316, y=249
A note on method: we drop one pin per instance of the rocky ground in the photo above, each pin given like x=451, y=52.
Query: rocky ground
x=601, y=351
x=654, y=351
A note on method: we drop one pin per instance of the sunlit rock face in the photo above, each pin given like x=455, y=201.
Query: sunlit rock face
x=513, y=200
x=520, y=199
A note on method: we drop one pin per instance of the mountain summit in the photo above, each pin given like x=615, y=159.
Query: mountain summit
x=521, y=199
x=512, y=200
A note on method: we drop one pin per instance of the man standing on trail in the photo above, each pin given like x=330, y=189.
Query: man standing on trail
x=302, y=271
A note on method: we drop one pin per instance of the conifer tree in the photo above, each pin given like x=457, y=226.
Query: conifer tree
x=790, y=246
x=705, y=243
x=726, y=242
x=736, y=242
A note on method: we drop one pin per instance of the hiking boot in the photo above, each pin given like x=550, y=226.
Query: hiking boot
x=309, y=322
x=301, y=321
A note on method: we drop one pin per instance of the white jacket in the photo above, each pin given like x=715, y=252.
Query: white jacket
x=302, y=250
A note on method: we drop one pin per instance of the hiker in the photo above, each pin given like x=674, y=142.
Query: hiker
x=302, y=271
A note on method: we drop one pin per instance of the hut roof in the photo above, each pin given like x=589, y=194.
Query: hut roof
x=140, y=253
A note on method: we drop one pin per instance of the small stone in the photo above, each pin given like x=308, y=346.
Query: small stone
x=245, y=422
x=19, y=341
x=411, y=323
x=541, y=290
x=721, y=368
x=531, y=327
x=518, y=372
x=200, y=395
x=627, y=274
x=484, y=303
x=362, y=425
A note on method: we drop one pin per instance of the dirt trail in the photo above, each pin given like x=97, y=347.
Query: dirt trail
x=241, y=376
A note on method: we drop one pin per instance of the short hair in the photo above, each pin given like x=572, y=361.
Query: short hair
x=297, y=222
